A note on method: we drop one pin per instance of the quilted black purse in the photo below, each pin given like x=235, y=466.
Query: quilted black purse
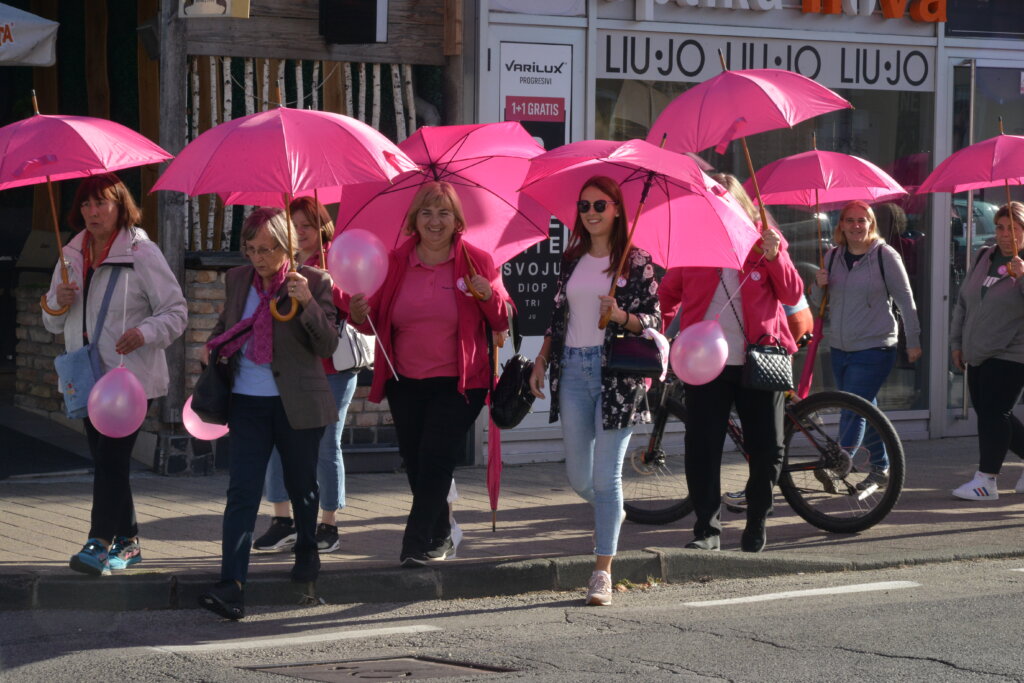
x=511, y=398
x=768, y=366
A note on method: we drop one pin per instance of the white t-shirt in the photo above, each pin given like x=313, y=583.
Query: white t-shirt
x=587, y=283
x=726, y=318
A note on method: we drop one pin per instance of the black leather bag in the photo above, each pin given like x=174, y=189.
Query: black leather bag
x=511, y=398
x=212, y=393
x=768, y=366
x=637, y=356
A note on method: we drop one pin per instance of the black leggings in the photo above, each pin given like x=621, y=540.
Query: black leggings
x=995, y=387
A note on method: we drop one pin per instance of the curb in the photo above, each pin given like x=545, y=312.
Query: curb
x=155, y=590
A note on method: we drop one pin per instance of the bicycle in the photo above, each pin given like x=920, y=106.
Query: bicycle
x=819, y=476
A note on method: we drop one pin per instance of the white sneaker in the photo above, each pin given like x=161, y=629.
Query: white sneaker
x=982, y=487
x=599, y=588
x=1019, y=487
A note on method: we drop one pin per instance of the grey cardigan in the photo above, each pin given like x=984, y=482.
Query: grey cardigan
x=858, y=300
x=989, y=327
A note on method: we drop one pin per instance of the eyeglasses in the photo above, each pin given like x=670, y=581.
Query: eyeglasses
x=850, y=220
x=599, y=206
x=261, y=252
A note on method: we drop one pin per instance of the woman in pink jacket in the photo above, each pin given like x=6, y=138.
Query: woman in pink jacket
x=748, y=304
x=435, y=332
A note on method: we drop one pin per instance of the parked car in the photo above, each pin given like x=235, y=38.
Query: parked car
x=984, y=232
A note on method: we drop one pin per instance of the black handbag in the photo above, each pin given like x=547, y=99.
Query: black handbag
x=768, y=367
x=637, y=356
x=212, y=393
x=511, y=398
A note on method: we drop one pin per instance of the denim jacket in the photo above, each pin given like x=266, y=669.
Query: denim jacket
x=622, y=396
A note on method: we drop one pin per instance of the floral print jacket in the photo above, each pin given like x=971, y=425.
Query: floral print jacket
x=622, y=396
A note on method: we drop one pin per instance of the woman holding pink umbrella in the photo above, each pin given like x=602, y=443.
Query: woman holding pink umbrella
x=598, y=407
x=314, y=229
x=986, y=341
x=435, y=329
x=113, y=259
x=749, y=304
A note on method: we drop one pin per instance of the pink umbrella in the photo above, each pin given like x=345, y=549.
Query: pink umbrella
x=818, y=178
x=739, y=103
x=735, y=104
x=268, y=157
x=486, y=163
x=992, y=162
x=45, y=148
x=689, y=220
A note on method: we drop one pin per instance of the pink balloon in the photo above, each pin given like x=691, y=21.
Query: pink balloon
x=698, y=354
x=117, y=403
x=358, y=261
x=195, y=426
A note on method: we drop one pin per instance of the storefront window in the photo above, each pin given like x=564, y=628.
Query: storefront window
x=893, y=129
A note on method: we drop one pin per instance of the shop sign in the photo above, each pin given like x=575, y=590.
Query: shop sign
x=535, y=87
x=673, y=57
x=920, y=10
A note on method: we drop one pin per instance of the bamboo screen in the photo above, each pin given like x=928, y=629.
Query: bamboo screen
x=222, y=88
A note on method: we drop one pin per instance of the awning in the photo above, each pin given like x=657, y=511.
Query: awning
x=25, y=39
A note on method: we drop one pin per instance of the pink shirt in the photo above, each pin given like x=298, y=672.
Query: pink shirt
x=425, y=321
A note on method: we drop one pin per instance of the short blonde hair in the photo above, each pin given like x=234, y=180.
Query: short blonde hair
x=435, y=193
x=276, y=223
x=840, y=238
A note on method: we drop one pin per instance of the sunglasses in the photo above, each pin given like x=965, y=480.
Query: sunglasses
x=600, y=205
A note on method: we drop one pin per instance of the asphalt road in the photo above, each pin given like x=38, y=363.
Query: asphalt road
x=955, y=621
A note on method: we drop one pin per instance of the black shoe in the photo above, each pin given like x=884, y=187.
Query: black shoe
x=442, y=551
x=327, y=538
x=226, y=599
x=280, y=536
x=307, y=566
x=754, y=537
x=413, y=559
x=706, y=543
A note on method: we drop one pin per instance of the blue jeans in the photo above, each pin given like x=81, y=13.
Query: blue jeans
x=330, y=467
x=259, y=424
x=862, y=373
x=593, y=455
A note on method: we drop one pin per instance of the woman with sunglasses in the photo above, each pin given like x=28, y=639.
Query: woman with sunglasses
x=598, y=408
x=864, y=277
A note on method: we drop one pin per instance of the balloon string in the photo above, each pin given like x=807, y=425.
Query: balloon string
x=733, y=295
x=393, y=371
x=124, y=311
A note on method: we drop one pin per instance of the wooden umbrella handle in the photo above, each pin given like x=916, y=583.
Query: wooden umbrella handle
x=472, y=272
x=60, y=247
x=291, y=259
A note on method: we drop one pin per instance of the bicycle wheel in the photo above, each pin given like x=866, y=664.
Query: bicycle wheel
x=824, y=479
x=653, y=476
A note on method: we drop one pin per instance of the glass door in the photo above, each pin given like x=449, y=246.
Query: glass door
x=983, y=93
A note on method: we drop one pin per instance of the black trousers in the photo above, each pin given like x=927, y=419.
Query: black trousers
x=113, y=509
x=995, y=387
x=432, y=421
x=761, y=417
x=258, y=423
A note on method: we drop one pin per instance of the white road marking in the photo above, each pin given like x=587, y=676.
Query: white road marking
x=1017, y=569
x=290, y=641
x=835, y=590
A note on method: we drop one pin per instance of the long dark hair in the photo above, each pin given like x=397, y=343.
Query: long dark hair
x=105, y=186
x=579, y=240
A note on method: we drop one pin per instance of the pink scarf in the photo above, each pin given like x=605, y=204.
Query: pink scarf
x=259, y=326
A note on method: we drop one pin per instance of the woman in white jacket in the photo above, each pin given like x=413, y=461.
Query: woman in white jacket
x=146, y=313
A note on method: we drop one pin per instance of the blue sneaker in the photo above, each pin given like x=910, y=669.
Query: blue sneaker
x=91, y=559
x=124, y=552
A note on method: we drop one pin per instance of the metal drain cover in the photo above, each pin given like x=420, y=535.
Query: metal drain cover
x=393, y=669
